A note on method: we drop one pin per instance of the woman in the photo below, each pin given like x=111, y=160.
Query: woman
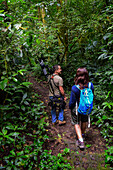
x=82, y=81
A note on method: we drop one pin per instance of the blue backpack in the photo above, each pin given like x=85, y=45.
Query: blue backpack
x=86, y=100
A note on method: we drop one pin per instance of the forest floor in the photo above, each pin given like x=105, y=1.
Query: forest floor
x=61, y=137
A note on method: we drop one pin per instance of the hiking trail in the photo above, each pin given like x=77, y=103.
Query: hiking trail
x=61, y=137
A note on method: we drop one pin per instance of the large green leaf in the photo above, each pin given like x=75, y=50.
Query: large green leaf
x=3, y=84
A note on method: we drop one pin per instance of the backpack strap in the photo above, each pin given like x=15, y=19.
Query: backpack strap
x=78, y=87
x=51, y=79
x=89, y=121
x=51, y=87
x=89, y=85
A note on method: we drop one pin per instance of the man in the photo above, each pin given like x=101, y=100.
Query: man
x=56, y=90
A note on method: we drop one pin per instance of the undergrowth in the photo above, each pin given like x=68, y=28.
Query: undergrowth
x=23, y=130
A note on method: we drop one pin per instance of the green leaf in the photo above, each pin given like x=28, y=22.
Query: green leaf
x=4, y=131
x=15, y=79
x=3, y=84
x=43, y=40
x=13, y=153
x=104, y=117
x=11, y=139
x=59, y=135
x=21, y=71
x=103, y=56
x=1, y=18
x=107, y=36
x=20, y=153
x=26, y=103
x=38, y=41
x=88, y=146
x=24, y=96
x=26, y=84
x=111, y=77
x=111, y=128
x=1, y=11
x=23, y=1
x=1, y=134
x=23, y=107
x=14, y=134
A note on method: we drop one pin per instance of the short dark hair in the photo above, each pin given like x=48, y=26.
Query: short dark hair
x=55, y=67
x=82, y=77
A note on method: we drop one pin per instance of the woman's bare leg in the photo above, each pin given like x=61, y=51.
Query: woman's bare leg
x=78, y=131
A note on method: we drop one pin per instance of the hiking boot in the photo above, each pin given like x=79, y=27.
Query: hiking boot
x=62, y=122
x=55, y=122
x=80, y=144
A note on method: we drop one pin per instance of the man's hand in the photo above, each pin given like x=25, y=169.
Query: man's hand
x=65, y=98
x=62, y=92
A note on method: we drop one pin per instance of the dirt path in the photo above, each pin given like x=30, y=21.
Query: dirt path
x=62, y=137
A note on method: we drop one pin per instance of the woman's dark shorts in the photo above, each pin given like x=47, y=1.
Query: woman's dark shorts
x=75, y=119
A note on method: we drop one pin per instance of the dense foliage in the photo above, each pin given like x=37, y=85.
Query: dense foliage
x=72, y=33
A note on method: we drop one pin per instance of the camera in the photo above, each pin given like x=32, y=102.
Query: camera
x=44, y=67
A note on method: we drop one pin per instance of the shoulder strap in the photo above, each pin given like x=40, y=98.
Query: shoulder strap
x=51, y=86
x=78, y=87
x=89, y=85
x=51, y=78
